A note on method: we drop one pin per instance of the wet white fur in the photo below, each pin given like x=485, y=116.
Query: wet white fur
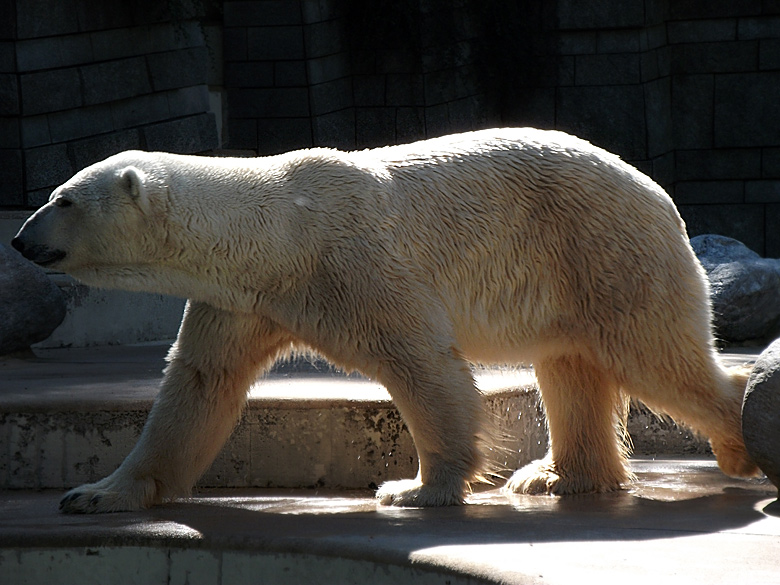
x=499, y=246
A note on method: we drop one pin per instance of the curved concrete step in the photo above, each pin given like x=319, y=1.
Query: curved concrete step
x=70, y=416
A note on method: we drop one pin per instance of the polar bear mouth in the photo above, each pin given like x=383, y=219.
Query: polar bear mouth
x=42, y=255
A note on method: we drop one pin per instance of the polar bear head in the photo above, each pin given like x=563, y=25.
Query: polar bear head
x=110, y=215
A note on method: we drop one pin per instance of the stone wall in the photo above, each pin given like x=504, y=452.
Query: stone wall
x=80, y=80
x=687, y=90
x=690, y=93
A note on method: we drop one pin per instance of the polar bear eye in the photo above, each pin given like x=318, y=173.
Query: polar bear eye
x=62, y=202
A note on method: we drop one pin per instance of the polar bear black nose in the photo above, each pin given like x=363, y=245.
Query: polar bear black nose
x=18, y=244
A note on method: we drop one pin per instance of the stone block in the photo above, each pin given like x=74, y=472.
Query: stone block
x=741, y=222
x=176, y=69
x=368, y=90
x=770, y=163
x=335, y=129
x=47, y=166
x=769, y=54
x=290, y=74
x=374, y=127
x=533, y=107
x=618, y=41
x=276, y=135
x=54, y=52
x=658, y=111
x=188, y=100
x=610, y=116
x=607, y=69
x=235, y=44
x=35, y=131
x=577, y=42
x=139, y=110
x=409, y=124
x=189, y=135
x=241, y=133
x=101, y=15
x=282, y=102
x=726, y=164
x=272, y=43
x=325, y=38
x=747, y=109
x=80, y=122
x=250, y=74
x=115, y=80
x=8, y=20
x=38, y=197
x=10, y=135
x=437, y=120
x=467, y=114
x=692, y=110
x=702, y=31
x=328, y=68
x=266, y=13
x=331, y=96
x=44, y=18
x=772, y=220
x=404, y=89
x=600, y=14
x=50, y=91
x=91, y=150
x=695, y=9
x=663, y=169
x=766, y=191
x=133, y=41
x=7, y=57
x=653, y=37
x=730, y=57
x=709, y=192
x=759, y=27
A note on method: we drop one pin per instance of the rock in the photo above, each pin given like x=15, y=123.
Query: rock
x=32, y=307
x=761, y=413
x=744, y=288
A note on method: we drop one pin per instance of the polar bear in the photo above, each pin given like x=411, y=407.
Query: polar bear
x=405, y=263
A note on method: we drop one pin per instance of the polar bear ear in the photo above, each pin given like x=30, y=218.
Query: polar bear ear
x=132, y=181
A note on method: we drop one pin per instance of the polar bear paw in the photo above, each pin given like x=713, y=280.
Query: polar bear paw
x=412, y=493
x=545, y=477
x=109, y=496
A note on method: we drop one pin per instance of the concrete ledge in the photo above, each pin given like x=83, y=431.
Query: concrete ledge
x=70, y=416
x=681, y=522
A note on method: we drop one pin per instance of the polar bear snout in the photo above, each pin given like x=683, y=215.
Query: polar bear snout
x=41, y=255
x=31, y=241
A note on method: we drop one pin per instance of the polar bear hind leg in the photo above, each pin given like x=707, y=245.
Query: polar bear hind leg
x=586, y=416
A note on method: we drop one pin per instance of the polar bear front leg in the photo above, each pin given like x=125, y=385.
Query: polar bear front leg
x=438, y=401
x=216, y=357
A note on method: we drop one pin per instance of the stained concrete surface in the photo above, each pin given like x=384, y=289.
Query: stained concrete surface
x=681, y=522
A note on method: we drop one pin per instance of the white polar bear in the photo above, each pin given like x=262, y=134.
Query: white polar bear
x=498, y=246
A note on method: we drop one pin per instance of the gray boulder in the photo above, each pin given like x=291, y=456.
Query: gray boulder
x=31, y=306
x=761, y=413
x=744, y=288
